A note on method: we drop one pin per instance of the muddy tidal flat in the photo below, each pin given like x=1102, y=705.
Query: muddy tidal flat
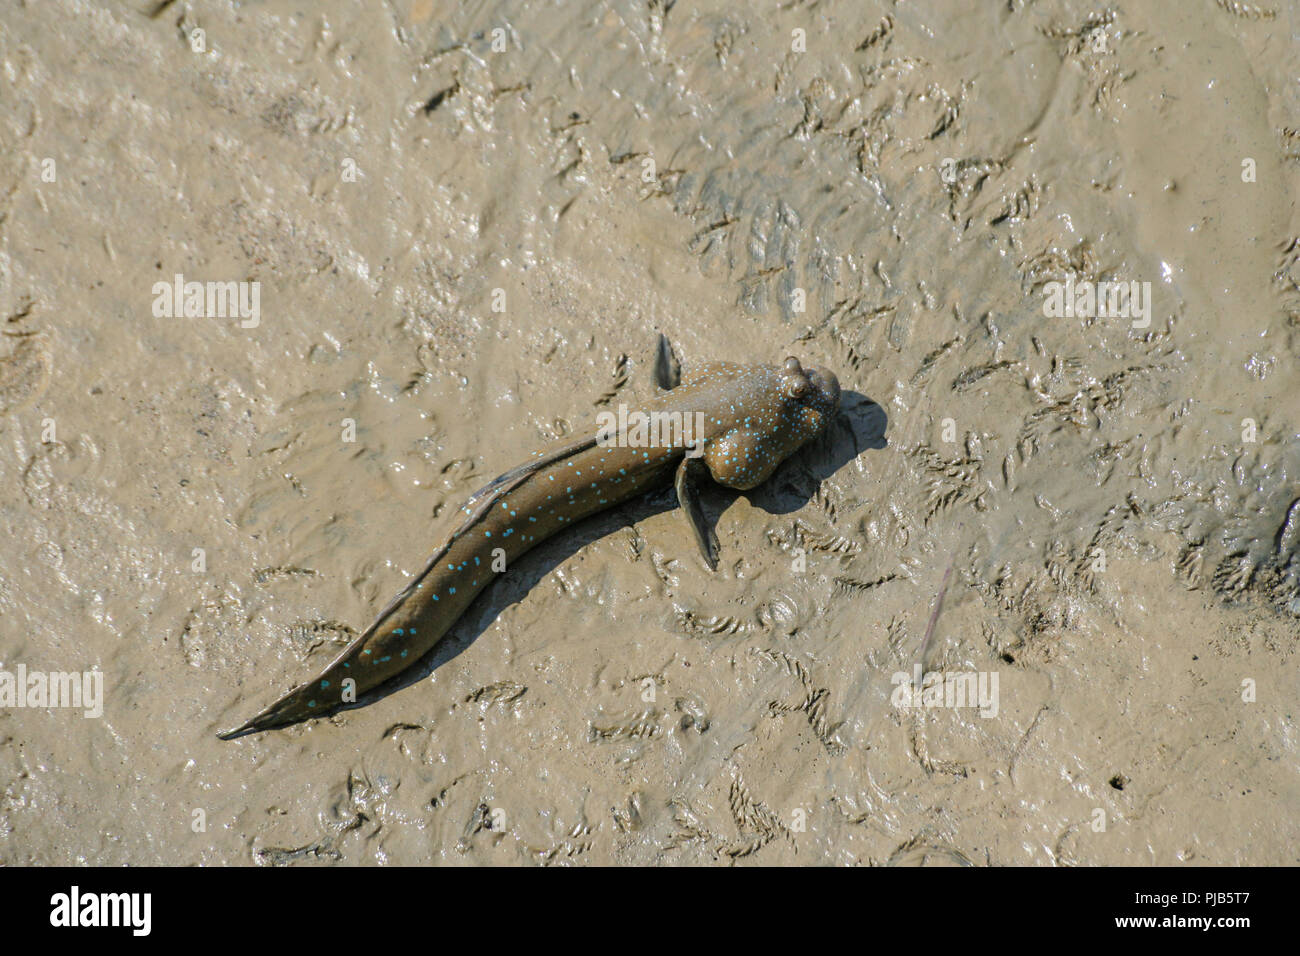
x=282, y=284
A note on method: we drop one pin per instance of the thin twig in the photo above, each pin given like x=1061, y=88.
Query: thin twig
x=934, y=616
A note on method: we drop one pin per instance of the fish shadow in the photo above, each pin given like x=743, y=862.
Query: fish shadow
x=858, y=427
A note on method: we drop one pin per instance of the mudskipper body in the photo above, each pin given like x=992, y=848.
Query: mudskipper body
x=741, y=421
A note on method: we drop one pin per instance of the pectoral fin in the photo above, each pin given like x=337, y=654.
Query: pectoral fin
x=667, y=370
x=688, y=475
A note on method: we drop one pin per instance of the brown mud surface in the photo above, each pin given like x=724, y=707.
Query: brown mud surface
x=883, y=188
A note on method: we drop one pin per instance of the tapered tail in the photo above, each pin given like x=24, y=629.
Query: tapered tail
x=299, y=704
x=359, y=667
x=390, y=645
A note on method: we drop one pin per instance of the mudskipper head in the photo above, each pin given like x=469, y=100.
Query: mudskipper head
x=764, y=415
x=816, y=391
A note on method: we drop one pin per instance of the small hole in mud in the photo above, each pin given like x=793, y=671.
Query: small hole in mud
x=1008, y=658
x=1119, y=781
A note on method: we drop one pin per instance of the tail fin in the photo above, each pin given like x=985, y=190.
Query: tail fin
x=320, y=696
x=299, y=704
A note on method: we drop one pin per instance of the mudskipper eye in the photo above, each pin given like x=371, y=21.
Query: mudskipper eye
x=794, y=383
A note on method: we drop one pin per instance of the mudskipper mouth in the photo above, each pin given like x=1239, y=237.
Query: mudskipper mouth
x=827, y=385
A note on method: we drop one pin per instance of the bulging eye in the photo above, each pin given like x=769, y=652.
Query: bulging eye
x=794, y=383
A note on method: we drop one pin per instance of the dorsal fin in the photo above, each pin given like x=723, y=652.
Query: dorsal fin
x=667, y=369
